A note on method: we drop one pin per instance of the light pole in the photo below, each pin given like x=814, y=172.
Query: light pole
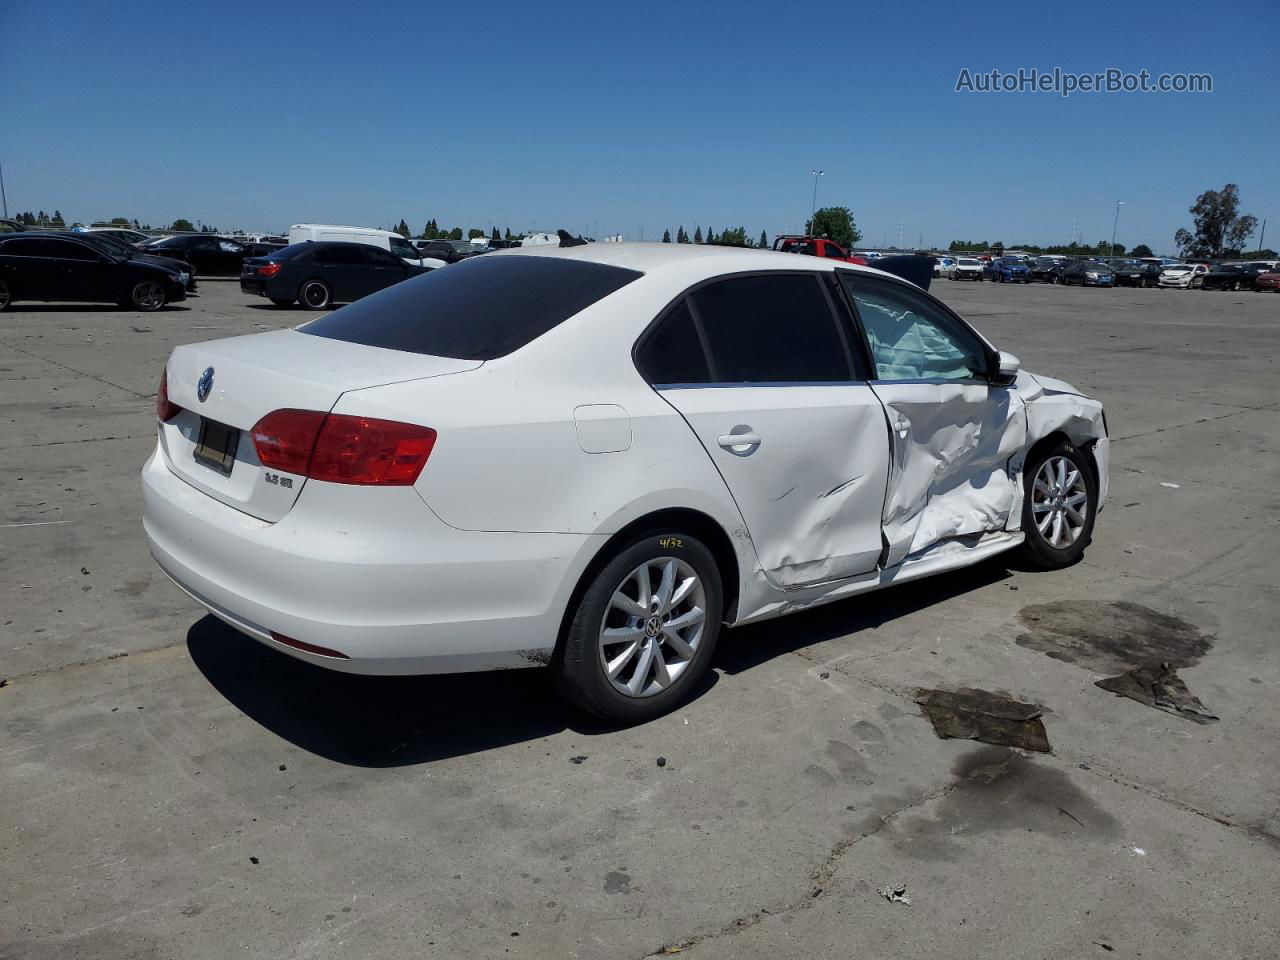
x=1115, y=223
x=813, y=207
x=4, y=200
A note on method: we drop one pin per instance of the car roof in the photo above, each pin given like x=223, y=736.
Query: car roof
x=651, y=258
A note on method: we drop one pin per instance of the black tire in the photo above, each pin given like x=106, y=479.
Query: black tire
x=1037, y=548
x=5, y=297
x=315, y=295
x=282, y=301
x=147, y=296
x=578, y=666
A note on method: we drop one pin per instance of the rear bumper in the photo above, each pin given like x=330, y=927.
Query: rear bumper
x=371, y=573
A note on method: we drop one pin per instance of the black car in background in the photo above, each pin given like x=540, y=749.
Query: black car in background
x=1234, y=276
x=319, y=274
x=1137, y=274
x=450, y=251
x=1088, y=273
x=1048, y=269
x=35, y=266
x=212, y=256
x=108, y=243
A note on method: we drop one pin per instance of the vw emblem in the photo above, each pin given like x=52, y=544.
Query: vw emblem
x=204, y=384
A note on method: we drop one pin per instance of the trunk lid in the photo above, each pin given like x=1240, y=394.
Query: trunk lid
x=252, y=376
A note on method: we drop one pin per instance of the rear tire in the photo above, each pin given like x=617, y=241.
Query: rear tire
x=656, y=629
x=282, y=301
x=5, y=297
x=315, y=295
x=1059, y=503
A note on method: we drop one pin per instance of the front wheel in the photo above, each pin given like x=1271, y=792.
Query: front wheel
x=315, y=295
x=643, y=633
x=147, y=295
x=1058, y=507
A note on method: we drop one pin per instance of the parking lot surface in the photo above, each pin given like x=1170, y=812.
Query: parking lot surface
x=172, y=789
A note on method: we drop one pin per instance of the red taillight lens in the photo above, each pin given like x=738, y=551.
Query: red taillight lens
x=165, y=409
x=268, y=269
x=368, y=451
x=284, y=439
x=343, y=449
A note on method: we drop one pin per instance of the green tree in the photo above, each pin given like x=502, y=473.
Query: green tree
x=494, y=234
x=402, y=228
x=455, y=233
x=836, y=224
x=506, y=235
x=666, y=236
x=710, y=236
x=764, y=241
x=183, y=225
x=135, y=223
x=734, y=237
x=1220, y=230
x=681, y=236
x=475, y=233
x=120, y=221
x=697, y=234
x=1142, y=250
x=57, y=220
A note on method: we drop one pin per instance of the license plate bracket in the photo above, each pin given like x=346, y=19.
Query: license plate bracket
x=216, y=446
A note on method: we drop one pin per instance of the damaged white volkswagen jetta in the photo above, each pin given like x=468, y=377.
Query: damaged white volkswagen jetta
x=594, y=458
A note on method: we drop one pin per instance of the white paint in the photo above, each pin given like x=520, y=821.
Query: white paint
x=543, y=454
x=1171, y=486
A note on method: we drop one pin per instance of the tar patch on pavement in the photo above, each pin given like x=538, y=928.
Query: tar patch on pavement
x=1111, y=637
x=981, y=715
x=1159, y=687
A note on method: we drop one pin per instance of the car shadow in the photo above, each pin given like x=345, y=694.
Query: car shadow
x=402, y=721
x=383, y=721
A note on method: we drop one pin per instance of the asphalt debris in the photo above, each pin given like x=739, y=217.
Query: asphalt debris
x=662, y=761
x=1159, y=687
x=970, y=714
x=895, y=893
x=578, y=759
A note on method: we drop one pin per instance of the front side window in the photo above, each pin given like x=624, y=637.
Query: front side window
x=770, y=329
x=403, y=248
x=911, y=337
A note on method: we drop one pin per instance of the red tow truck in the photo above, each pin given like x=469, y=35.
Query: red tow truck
x=816, y=247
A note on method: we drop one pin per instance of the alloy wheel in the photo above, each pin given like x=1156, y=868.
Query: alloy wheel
x=1059, y=502
x=652, y=627
x=148, y=295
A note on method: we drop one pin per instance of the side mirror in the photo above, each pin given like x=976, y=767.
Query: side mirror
x=1007, y=367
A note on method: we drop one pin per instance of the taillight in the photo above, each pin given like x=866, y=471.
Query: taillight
x=268, y=269
x=166, y=410
x=284, y=439
x=343, y=449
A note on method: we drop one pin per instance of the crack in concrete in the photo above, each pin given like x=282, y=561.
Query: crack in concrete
x=79, y=373
x=1192, y=423
x=97, y=661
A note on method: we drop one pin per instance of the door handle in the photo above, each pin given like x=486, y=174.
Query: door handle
x=739, y=443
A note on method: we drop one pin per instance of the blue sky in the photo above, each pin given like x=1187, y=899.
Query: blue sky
x=563, y=114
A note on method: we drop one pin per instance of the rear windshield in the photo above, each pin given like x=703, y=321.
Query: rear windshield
x=479, y=309
x=291, y=251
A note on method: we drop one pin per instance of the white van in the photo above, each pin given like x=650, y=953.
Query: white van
x=386, y=239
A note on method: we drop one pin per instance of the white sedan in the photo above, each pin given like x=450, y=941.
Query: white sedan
x=594, y=458
x=1183, y=275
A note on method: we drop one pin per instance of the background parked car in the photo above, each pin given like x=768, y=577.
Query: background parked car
x=120, y=233
x=450, y=251
x=967, y=268
x=382, y=239
x=319, y=275
x=211, y=255
x=1183, y=275
x=1048, y=269
x=944, y=266
x=1009, y=270
x=109, y=243
x=1138, y=274
x=1234, y=276
x=53, y=267
x=1269, y=280
x=1088, y=273
x=816, y=247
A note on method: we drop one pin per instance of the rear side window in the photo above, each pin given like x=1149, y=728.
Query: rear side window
x=70, y=250
x=672, y=353
x=345, y=254
x=23, y=247
x=479, y=309
x=771, y=329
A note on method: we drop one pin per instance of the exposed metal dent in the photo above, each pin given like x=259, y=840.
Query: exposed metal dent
x=840, y=486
